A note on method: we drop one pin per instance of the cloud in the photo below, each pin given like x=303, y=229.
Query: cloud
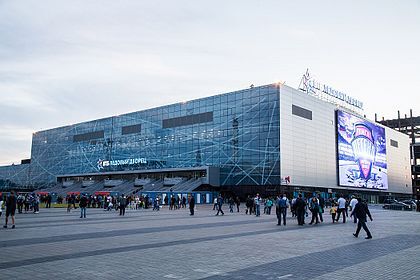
x=15, y=144
x=63, y=62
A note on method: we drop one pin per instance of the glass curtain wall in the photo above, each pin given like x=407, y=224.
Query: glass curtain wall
x=237, y=132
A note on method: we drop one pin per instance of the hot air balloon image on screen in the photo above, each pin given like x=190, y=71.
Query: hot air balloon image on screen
x=361, y=148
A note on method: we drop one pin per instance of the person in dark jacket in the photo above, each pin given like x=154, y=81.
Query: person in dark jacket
x=321, y=202
x=314, y=207
x=361, y=210
x=123, y=204
x=238, y=203
x=281, y=208
x=219, y=205
x=82, y=205
x=192, y=205
x=300, y=210
x=10, y=208
x=249, y=203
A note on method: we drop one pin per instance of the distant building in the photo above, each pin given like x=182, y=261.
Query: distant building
x=411, y=126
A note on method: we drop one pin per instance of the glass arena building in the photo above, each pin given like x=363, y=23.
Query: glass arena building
x=267, y=139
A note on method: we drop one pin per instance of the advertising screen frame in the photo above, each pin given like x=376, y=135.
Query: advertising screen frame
x=360, y=152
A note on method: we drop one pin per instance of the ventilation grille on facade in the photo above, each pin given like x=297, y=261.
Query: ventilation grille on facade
x=88, y=136
x=188, y=120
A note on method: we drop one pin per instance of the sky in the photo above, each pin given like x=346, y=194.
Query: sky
x=64, y=62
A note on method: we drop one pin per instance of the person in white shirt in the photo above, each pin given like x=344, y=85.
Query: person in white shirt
x=215, y=203
x=110, y=206
x=257, y=202
x=353, y=203
x=1, y=206
x=341, y=208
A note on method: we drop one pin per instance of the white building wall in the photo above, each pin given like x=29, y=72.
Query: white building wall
x=398, y=160
x=308, y=147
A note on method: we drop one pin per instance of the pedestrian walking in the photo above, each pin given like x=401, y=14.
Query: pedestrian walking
x=184, y=202
x=36, y=203
x=248, y=203
x=192, y=205
x=314, y=208
x=123, y=204
x=48, y=200
x=69, y=203
x=215, y=204
x=347, y=207
x=353, y=203
x=333, y=211
x=257, y=203
x=219, y=205
x=82, y=205
x=110, y=206
x=361, y=210
x=321, y=203
x=281, y=209
x=231, y=204
x=268, y=204
x=10, y=208
x=1, y=205
x=293, y=207
x=172, y=205
x=73, y=200
x=20, y=200
x=341, y=208
x=27, y=203
x=300, y=210
x=238, y=203
x=156, y=204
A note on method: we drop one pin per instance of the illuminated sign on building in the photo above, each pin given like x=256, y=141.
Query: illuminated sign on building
x=311, y=86
x=130, y=161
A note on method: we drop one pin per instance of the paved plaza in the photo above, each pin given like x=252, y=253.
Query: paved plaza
x=173, y=245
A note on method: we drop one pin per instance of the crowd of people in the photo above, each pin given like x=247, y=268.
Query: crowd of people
x=299, y=206
x=27, y=203
x=122, y=202
x=107, y=202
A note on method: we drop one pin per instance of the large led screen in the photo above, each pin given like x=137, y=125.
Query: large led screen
x=361, y=148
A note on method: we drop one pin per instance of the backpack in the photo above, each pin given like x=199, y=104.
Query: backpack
x=281, y=203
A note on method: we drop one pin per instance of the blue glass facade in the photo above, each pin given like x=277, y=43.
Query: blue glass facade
x=237, y=132
x=15, y=175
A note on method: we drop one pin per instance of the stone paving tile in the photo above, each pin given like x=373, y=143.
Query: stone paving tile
x=402, y=264
x=117, y=232
x=176, y=246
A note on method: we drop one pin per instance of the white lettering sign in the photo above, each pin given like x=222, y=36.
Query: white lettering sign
x=310, y=85
x=129, y=161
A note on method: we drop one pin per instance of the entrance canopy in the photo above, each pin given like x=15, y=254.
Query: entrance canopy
x=43, y=193
x=209, y=175
x=102, y=193
x=75, y=193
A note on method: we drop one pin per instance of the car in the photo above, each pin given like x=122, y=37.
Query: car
x=390, y=201
x=412, y=203
x=397, y=205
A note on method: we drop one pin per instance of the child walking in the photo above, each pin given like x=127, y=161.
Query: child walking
x=333, y=211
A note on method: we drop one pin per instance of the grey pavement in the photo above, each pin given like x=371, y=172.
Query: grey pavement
x=173, y=245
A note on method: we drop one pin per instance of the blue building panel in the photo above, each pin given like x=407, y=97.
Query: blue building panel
x=15, y=175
